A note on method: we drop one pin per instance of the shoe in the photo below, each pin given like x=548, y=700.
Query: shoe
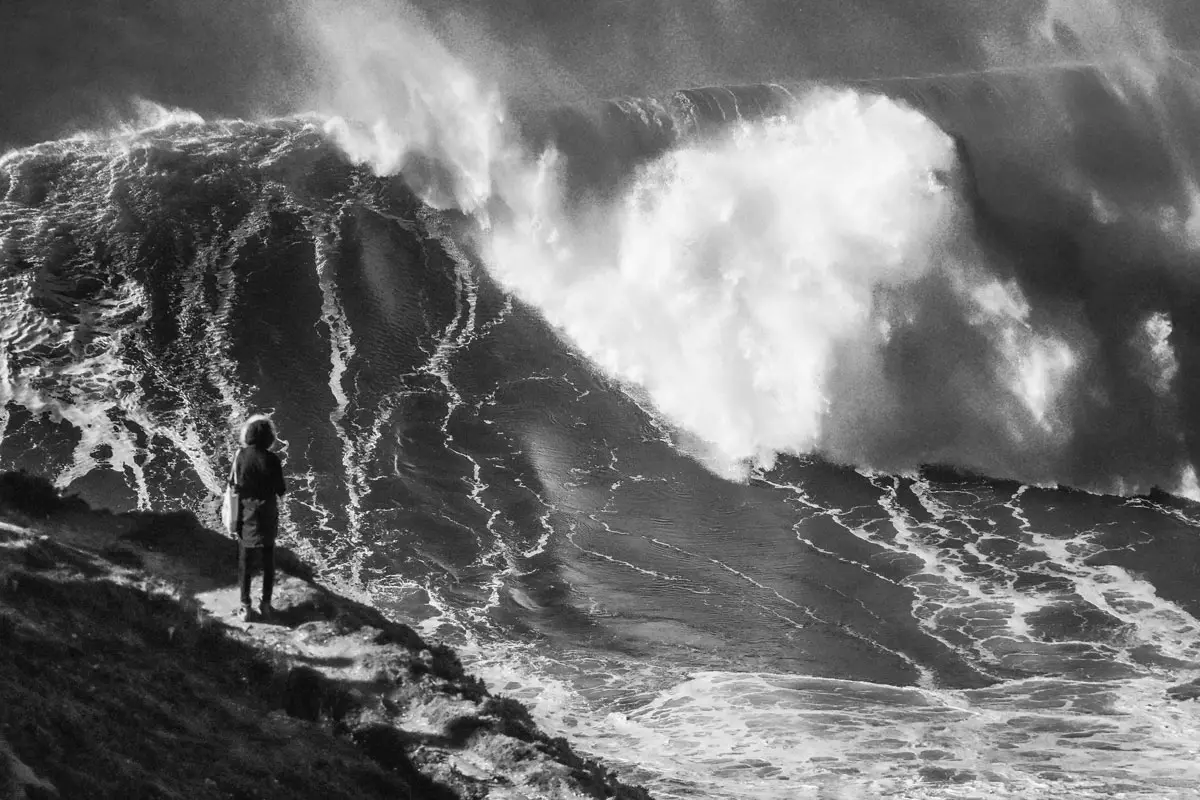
x=265, y=611
x=247, y=614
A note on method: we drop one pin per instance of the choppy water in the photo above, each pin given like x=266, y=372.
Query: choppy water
x=572, y=397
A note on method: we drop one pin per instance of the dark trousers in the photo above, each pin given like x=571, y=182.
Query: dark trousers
x=250, y=560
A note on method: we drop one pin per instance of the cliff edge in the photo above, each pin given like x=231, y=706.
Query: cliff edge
x=125, y=673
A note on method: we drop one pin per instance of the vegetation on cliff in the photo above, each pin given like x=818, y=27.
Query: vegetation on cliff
x=124, y=673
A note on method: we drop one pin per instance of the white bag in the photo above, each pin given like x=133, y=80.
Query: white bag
x=229, y=506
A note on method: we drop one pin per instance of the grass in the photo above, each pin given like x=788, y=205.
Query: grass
x=127, y=691
x=116, y=683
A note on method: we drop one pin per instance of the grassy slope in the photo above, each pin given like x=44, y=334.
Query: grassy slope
x=118, y=680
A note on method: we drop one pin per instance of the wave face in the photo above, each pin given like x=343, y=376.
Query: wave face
x=515, y=359
x=972, y=270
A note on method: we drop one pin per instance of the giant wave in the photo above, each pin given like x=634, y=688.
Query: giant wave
x=516, y=353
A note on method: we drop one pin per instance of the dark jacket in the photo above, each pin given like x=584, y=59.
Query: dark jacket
x=258, y=480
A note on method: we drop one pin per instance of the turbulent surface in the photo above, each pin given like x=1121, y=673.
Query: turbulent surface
x=461, y=451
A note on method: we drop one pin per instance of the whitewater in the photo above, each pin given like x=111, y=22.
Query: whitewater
x=828, y=439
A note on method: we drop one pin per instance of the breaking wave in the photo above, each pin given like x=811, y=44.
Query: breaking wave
x=989, y=271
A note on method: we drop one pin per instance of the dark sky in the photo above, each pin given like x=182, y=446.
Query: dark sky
x=72, y=64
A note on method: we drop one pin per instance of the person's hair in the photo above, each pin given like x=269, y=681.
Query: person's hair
x=258, y=431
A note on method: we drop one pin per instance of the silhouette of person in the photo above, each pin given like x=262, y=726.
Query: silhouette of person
x=258, y=481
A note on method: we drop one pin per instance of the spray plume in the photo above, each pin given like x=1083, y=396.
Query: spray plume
x=840, y=275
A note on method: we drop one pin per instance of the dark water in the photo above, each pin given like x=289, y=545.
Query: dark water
x=811, y=630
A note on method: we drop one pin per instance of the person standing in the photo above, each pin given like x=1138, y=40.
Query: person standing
x=258, y=481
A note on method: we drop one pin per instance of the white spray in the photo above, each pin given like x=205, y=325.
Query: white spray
x=755, y=287
x=808, y=283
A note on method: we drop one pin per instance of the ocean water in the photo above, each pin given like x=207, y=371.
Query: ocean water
x=828, y=440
